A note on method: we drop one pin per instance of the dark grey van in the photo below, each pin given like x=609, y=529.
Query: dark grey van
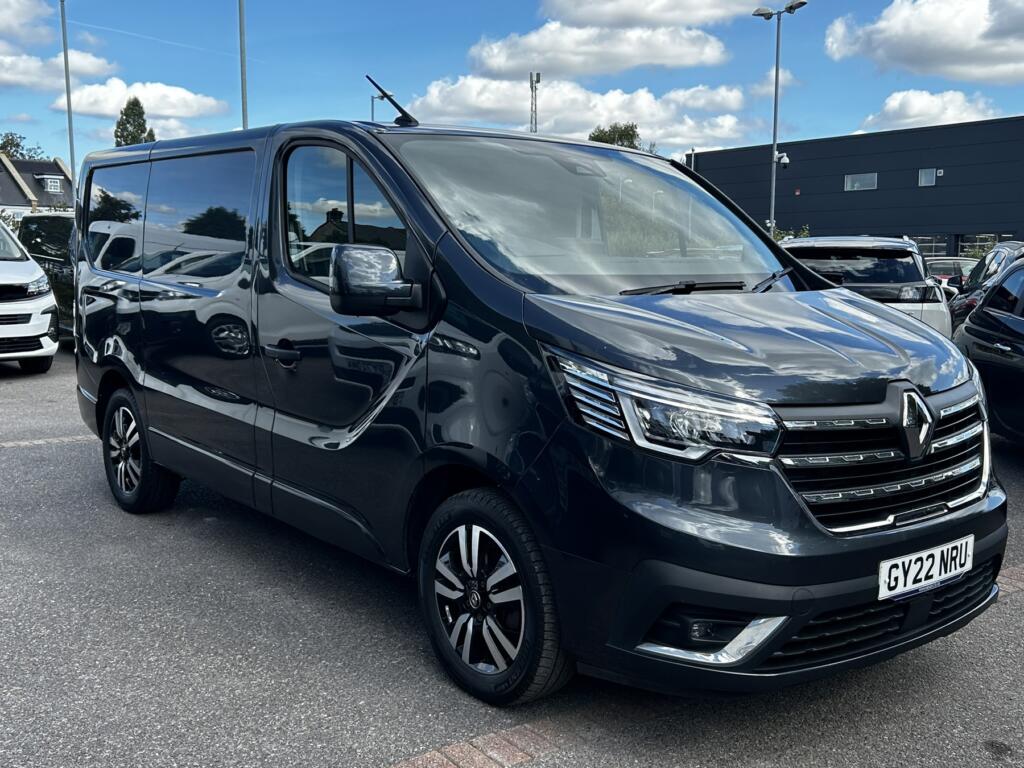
x=605, y=422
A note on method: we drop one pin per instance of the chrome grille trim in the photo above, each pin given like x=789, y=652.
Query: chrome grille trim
x=837, y=423
x=589, y=389
x=586, y=399
x=603, y=427
x=604, y=418
x=852, y=494
x=963, y=405
x=959, y=437
x=842, y=459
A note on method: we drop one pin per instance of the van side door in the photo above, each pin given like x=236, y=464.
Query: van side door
x=196, y=312
x=348, y=391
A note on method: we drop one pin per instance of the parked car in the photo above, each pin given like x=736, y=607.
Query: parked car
x=945, y=268
x=28, y=310
x=640, y=440
x=993, y=338
x=985, y=274
x=889, y=270
x=45, y=237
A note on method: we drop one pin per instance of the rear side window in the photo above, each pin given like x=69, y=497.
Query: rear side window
x=47, y=236
x=117, y=197
x=197, y=216
x=861, y=265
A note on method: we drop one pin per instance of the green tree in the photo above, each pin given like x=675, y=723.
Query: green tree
x=131, y=125
x=13, y=145
x=217, y=221
x=782, y=234
x=619, y=134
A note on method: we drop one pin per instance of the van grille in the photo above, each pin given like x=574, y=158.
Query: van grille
x=13, y=292
x=854, y=475
x=14, y=319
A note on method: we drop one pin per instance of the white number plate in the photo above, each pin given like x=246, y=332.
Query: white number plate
x=922, y=570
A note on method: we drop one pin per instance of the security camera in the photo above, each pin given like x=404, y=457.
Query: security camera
x=783, y=159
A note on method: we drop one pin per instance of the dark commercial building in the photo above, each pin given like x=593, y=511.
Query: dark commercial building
x=955, y=189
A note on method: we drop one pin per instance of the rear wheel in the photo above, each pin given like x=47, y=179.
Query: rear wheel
x=139, y=484
x=36, y=364
x=487, y=600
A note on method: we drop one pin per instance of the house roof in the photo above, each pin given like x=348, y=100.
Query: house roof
x=30, y=182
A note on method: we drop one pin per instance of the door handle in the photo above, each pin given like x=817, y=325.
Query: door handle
x=286, y=356
x=1000, y=347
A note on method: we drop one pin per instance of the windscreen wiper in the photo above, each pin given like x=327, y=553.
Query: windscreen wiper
x=771, y=280
x=686, y=286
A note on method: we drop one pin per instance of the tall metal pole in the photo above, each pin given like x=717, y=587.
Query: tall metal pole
x=534, y=82
x=775, y=120
x=372, y=118
x=67, y=93
x=241, y=56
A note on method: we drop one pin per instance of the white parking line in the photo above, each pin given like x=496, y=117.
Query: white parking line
x=47, y=441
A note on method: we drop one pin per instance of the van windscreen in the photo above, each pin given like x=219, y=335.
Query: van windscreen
x=577, y=219
x=861, y=265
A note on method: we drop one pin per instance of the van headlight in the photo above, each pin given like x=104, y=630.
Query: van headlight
x=38, y=287
x=664, y=418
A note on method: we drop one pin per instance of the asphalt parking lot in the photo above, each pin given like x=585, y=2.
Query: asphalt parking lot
x=210, y=635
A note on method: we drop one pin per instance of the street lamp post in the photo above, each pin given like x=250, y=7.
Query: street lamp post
x=67, y=94
x=241, y=63
x=768, y=14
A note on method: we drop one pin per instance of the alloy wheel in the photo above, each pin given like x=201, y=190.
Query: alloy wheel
x=479, y=595
x=125, y=450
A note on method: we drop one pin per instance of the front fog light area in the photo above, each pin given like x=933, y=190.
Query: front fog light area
x=53, y=329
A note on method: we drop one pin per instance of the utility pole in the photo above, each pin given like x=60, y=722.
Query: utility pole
x=241, y=57
x=67, y=93
x=534, y=82
x=374, y=98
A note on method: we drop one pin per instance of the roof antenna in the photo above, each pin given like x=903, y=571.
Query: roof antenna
x=404, y=118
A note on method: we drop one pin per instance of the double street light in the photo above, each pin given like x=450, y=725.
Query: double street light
x=768, y=14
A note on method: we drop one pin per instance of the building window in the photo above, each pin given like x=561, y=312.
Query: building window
x=976, y=246
x=926, y=177
x=931, y=246
x=860, y=182
x=53, y=186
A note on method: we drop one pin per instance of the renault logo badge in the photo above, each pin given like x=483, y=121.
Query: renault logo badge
x=917, y=424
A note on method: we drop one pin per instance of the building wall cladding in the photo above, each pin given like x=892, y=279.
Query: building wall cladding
x=981, y=189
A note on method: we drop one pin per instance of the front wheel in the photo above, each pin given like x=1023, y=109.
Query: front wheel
x=137, y=482
x=488, y=602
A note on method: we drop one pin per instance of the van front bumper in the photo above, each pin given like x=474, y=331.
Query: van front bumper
x=799, y=633
x=28, y=328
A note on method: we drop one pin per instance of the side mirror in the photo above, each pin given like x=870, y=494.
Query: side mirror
x=956, y=282
x=367, y=280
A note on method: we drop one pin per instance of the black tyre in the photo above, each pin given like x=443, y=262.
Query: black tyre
x=36, y=364
x=487, y=600
x=139, y=485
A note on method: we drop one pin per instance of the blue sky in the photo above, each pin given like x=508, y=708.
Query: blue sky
x=689, y=72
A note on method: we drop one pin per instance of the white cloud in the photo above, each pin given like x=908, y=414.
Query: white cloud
x=24, y=70
x=158, y=99
x=89, y=39
x=558, y=50
x=971, y=40
x=912, y=109
x=169, y=127
x=25, y=20
x=766, y=87
x=21, y=117
x=652, y=13
x=724, y=98
x=566, y=108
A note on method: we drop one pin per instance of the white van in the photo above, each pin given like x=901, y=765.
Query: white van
x=29, y=325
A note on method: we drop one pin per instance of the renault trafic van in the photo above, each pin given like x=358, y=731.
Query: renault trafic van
x=605, y=422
